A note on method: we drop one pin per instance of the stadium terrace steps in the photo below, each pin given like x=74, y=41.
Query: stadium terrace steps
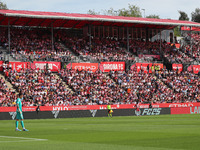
x=8, y=57
x=72, y=52
x=64, y=83
x=8, y=83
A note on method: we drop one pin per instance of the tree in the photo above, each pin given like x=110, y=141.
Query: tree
x=183, y=15
x=132, y=11
x=196, y=15
x=111, y=12
x=177, y=31
x=153, y=16
x=93, y=12
x=3, y=5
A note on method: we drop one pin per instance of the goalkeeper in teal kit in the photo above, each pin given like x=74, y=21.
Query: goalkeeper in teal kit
x=19, y=115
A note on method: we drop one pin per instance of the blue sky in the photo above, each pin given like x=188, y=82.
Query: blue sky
x=164, y=8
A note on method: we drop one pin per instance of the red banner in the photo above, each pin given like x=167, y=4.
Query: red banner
x=178, y=67
x=194, y=68
x=1, y=65
x=186, y=110
x=115, y=66
x=53, y=66
x=68, y=66
x=19, y=65
x=184, y=28
x=85, y=66
x=98, y=107
x=143, y=66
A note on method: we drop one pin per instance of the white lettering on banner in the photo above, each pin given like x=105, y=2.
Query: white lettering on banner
x=85, y=67
x=194, y=110
x=155, y=106
x=144, y=106
x=60, y=108
x=152, y=111
x=93, y=112
x=180, y=105
x=101, y=107
x=50, y=66
x=175, y=67
x=40, y=65
x=43, y=65
x=113, y=66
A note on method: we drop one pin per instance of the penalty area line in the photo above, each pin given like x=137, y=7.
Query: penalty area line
x=21, y=139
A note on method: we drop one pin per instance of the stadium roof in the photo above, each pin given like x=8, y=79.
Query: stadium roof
x=69, y=20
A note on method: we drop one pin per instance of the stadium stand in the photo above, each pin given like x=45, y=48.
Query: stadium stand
x=84, y=87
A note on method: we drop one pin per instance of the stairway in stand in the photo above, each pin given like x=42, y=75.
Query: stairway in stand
x=64, y=83
x=8, y=83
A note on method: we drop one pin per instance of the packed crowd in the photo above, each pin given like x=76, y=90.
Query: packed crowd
x=101, y=49
x=94, y=87
x=138, y=46
x=193, y=50
x=7, y=96
x=35, y=45
x=142, y=87
x=175, y=55
x=186, y=85
x=40, y=87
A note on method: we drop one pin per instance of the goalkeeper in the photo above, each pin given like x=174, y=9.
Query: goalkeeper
x=19, y=115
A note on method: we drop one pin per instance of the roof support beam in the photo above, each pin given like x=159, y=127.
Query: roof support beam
x=28, y=22
x=42, y=22
x=2, y=20
x=76, y=24
x=15, y=21
x=64, y=23
x=51, y=24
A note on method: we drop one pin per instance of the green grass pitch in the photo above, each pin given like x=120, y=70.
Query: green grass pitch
x=165, y=132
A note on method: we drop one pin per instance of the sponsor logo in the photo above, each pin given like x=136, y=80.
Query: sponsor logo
x=55, y=66
x=60, y=108
x=195, y=110
x=151, y=111
x=13, y=115
x=196, y=69
x=19, y=67
x=101, y=107
x=175, y=67
x=40, y=65
x=180, y=105
x=85, y=67
x=144, y=106
x=93, y=112
x=55, y=113
x=113, y=66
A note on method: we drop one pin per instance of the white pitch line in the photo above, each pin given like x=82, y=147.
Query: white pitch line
x=20, y=141
x=25, y=139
